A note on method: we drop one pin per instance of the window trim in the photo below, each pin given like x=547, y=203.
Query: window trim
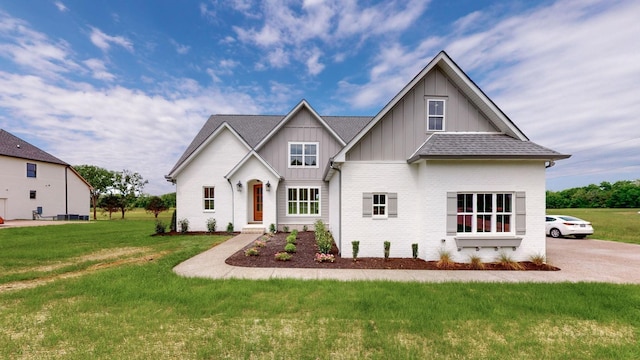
x=309, y=201
x=493, y=214
x=204, y=199
x=384, y=206
x=303, y=166
x=35, y=170
x=443, y=116
x=32, y=194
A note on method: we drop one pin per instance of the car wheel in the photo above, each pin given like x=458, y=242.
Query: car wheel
x=555, y=233
x=581, y=236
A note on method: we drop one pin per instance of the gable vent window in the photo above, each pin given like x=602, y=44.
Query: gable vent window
x=31, y=170
x=435, y=115
x=303, y=155
x=32, y=194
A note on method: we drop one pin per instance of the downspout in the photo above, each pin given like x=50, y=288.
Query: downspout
x=66, y=193
x=233, y=208
x=339, y=206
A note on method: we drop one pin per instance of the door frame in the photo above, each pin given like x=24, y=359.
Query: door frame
x=258, y=202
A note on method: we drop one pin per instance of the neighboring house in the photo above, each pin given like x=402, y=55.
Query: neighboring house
x=440, y=165
x=33, y=180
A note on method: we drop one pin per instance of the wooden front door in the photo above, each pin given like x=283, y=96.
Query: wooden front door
x=257, y=202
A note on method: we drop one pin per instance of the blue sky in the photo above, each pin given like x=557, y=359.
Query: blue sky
x=128, y=84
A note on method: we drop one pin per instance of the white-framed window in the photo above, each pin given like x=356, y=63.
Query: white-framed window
x=485, y=213
x=303, y=154
x=379, y=203
x=303, y=201
x=209, y=197
x=435, y=114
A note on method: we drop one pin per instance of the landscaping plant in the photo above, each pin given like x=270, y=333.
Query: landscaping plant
x=211, y=225
x=283, y=256
x=475, y=262
x=387, y=249
x=229, y=228
x=290, y=248
x=160, y=227
x=253, y=251
x=184, y=225
x=445, y=261
x=272, y=228
x=324, y=240
x=414, y=250
x=355, y=248
x=507, y=262
x=173, y=227
x=291, y=239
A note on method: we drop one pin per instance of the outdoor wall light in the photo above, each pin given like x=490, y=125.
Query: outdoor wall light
x=268, y=185
x=239, y=185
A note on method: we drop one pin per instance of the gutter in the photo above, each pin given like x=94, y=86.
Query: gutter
x=339, y=205
x=233, y=207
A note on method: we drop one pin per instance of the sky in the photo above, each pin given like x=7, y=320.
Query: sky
x=127, y=84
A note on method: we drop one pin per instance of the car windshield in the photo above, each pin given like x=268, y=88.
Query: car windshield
x=569, y=218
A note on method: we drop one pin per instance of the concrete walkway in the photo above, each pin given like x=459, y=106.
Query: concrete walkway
x=580, y=260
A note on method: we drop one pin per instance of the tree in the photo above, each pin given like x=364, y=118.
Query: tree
x=156, y=206
x=110, y=203
x=129, y=185
x=100, y=180
x=169, y=199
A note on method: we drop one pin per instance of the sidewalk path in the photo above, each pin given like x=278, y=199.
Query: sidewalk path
x=580, y=260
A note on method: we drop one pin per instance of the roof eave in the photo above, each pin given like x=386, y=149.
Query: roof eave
x=548, y=157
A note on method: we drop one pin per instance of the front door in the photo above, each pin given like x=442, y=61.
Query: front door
x=257, y=202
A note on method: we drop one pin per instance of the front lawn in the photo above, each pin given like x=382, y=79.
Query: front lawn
x=115, y=296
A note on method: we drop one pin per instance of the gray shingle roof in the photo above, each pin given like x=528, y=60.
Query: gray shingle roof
x=254, y=128
x=482, y=145
x=11, y=145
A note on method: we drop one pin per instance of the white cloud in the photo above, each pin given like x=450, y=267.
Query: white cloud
x=104, y=41
x=314, y=66
x=99, y=70
x=61, y=7
x=180, y=48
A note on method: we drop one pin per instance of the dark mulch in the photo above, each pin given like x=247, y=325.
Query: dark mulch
x=306, y=250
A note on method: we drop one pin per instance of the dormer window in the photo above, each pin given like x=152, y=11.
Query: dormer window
x=435, y=115
x=303, y=154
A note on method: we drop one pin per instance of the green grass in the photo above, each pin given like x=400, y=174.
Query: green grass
x=142, y=310
x=621, y=225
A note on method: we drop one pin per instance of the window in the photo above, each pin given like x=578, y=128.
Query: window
x=303, y=154
x=484, y=213
x=379, y=205
x=209, y=198
x=303, y=201
x=31, y=170
x=435, y=115
x=32, y=194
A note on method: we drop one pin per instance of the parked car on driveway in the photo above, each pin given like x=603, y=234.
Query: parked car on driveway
x=563, y=225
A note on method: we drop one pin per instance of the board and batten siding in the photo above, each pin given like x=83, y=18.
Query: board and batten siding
x=404, y=128
x=302, y=127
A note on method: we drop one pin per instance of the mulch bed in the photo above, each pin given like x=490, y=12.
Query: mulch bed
x=306, y=250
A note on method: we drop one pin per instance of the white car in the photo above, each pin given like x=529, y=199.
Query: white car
x=563, y=225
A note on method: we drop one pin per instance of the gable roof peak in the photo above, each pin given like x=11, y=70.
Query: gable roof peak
x=13, y=146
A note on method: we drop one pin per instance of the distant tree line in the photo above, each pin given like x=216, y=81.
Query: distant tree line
x=621, y=194
x=121, y=191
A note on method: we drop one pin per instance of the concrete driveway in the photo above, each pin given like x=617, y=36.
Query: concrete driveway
x=579, y=260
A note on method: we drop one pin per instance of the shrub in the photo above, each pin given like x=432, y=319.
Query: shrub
x=160, y=227
x=230, y=228
x=508, y=263
x=305, y=228
x=324, y=257
x=184, y=225
x=283, y=256
x=252, y=252
x=259, y=243
x=211, y=225
x=294, y=232
x=387, y=249
x=285, y=228
x=475, y=262
x=290, y=248
x=319, y=228
x=355, y=248
x=538, y=260
x=173, y=221
x=291, y=239
x=414, y=251
x=272, y=228
x=445, y=261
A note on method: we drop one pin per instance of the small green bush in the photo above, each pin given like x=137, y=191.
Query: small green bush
x=446, y=260
x=387, y=249
x=229, y=228
x=160, y=227
x=294, y=232
x=272, y=228
x=355, y=248
x=285, y=228
x=290, y=248
x=211, y=225
x=252, y=252
x=305, y=228
x=173, y=227
x=414, y=251
x=291, y=239
x=475, y=262
x=283, y=256
x=184, y=225
x=324, y=240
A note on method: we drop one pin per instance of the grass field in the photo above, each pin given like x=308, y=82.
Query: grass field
x=105, y=290
x=609, y=224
